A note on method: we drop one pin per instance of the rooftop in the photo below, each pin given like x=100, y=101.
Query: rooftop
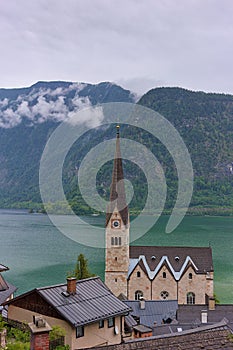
x=151, y=258
x=155, y=311
x=93, y=301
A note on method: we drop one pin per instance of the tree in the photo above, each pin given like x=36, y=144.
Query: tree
x=81, y=269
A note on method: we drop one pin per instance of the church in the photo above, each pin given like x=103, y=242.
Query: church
x=184, y=274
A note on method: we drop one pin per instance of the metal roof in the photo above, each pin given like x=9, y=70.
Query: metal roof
x=93, y=301
x=155, y=310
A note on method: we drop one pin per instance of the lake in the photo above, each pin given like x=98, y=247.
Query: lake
x=39, y=255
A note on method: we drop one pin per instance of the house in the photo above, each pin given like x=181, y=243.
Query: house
x=86, y=309
x=6, y=289
x=217, y=336
x=151, y=272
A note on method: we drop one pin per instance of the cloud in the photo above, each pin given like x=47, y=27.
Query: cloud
x=176, y=42
x=41, y=105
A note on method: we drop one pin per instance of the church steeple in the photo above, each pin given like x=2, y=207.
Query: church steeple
x=117, y=229
x=117, y=192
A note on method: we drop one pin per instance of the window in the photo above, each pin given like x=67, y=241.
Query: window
x=115, y=258
x=190, y=276
x=112, y=240
x=79, y=331
x=164, y=275
x=111, y=322
x=119, y=240
x=190, y=298
x=164, y=294
x=115, y=279
x=138, y=274
x=101, y=324
x=116, y=241
x=138, y=294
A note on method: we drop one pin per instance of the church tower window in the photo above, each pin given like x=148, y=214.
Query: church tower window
x=138, y=274
x=138, y=294
x=164, y=275
x=190, y=276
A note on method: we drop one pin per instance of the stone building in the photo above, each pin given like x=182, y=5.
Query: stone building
x=150, y=272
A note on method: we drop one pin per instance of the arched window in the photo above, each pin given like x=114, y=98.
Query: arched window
x=164, y=275
x=138, y=294
x=112, y=240
x=138, y=274
x=164, y=294
x=116, y=241
x=119, y=240
x=190, y=298
x=190, y=276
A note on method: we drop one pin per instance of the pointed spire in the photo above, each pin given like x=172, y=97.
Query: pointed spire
x=117, y=192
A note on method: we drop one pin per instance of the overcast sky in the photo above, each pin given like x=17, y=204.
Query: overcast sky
x=137, y=44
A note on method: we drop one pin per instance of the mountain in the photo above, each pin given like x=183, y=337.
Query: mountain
x=205, y=122
x=27, y=118
x=29, y=115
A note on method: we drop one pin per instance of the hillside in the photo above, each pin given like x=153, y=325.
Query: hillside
x=205, y=122
x=29, y=115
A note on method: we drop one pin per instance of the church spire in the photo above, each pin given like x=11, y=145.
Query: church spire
x=117, y=192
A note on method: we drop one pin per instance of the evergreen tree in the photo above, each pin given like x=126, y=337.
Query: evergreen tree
x=81, y=269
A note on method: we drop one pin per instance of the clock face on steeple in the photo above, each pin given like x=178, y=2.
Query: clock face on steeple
x=116, y=223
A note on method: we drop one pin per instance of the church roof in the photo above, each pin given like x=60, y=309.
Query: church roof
x=177, y=259
x=117, y=192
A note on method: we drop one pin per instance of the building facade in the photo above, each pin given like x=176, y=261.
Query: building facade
x=86, y=309
x=153, y=273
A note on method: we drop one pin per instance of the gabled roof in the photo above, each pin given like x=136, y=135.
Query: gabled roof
x=154, y=311
x=176, y=258
x=117, y=192
x=3, y=268
x=5, y=294
x=3, y=284
x=93, y=301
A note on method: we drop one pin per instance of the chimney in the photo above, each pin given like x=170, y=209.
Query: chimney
x=204, y=316
x=142, y=304
x=39, y=334
x=211, y=303
x=71, y=285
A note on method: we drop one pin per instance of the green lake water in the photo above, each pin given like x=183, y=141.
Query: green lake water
x=39, y=255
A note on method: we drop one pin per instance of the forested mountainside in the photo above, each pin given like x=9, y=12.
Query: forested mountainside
x=29, y=115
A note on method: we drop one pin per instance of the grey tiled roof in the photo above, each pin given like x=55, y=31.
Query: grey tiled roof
x=154, y=311
x=201, y=256
x=214, y=337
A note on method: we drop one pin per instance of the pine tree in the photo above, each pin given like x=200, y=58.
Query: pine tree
x=81, y=269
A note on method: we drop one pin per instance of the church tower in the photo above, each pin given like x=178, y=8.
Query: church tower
x=117, y=229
